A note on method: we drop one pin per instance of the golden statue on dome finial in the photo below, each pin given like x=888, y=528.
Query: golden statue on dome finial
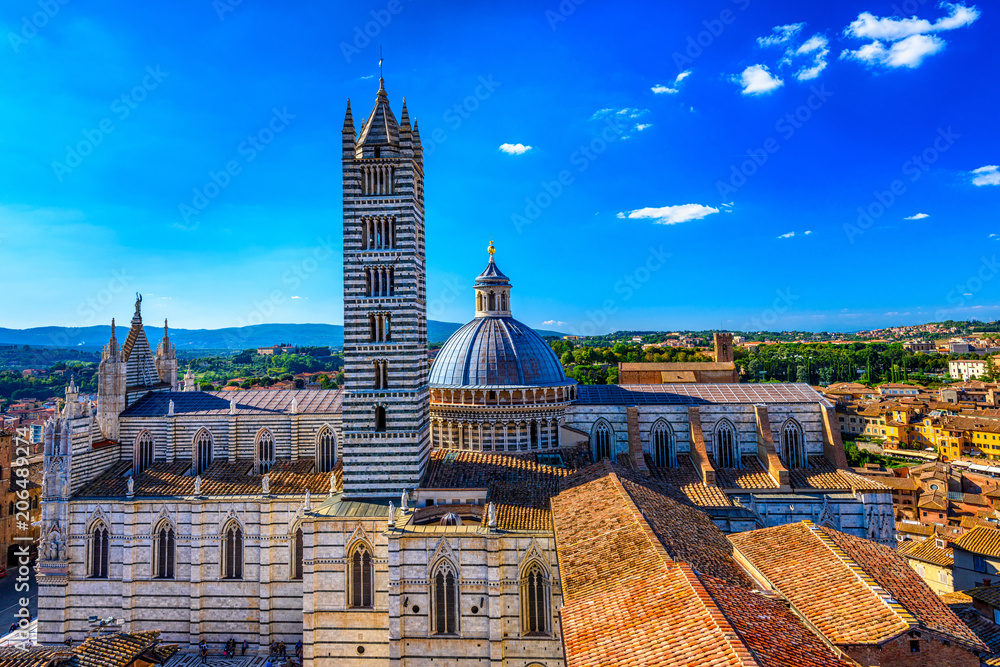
x=491, y=249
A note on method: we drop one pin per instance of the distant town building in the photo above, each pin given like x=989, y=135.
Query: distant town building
x=275, y=349
x=967, y=369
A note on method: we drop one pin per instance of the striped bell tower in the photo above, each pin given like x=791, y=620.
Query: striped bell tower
x=387, y=402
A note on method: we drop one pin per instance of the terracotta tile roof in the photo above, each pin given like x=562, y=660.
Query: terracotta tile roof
x=981, y=540
x=628, y=603
x=893, y=574
x=223, y=478
x=933, y=501
x=928, y=552
x=988, y=594
x=987, y=631
x=955, y=599
x=914, y=528
x=666, y=619
x=824, y=475
x=696, y=394
x=686, y=480
x=854, y=590
x=751, y=476
x=769, y=628
x=118, y=650
x=901, y=483
x=518, y=486
x=686, y=533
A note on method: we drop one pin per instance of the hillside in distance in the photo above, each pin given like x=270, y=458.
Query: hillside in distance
x=233, y=338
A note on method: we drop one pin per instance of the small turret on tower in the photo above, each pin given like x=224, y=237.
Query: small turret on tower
x=492, y=290
x=166, y=359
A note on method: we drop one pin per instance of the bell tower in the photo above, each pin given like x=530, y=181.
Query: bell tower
x=386, y=400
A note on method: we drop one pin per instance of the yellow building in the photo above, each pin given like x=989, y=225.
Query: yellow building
x=933, y=561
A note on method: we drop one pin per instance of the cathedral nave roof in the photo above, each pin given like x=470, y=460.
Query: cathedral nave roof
x=261, y=401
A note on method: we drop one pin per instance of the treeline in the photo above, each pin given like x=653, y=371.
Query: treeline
x=599, y=365
x=14, y=386
x=252, y=369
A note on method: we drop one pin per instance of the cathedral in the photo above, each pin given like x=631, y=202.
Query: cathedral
x=408, y=518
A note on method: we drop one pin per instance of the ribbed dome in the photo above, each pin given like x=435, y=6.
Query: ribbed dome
x=496, y=351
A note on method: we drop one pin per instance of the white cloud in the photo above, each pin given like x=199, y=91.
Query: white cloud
x=909, y=39
x=868, y=26
x=757, y=80
x=817, y=47
x=296, y=297
x=918, y=216
x=909, y=52
x=553, y=323
x=671, y=215
x=627, y=117
x=787, y=236
x=808, y=232
x=988, y=175
x=514, y=149
x=660, y=88
x=780, y=34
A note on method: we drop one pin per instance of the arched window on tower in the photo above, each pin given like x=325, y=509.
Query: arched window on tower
x=164, y=551
x=100, y=550
x=727, y=450
x=265, y=451
x=444, y=600
x=203, y=445
x=535, y=601
x=793, y=451
x=361, y=580
x=661, y=440
x=144, y=451
x=603, y=440
x=297, y=555
x=380, y=425
x=232, y=551
x=326, y=450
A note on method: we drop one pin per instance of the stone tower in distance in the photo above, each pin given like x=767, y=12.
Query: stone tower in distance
x=387, y=402
x=723, y=347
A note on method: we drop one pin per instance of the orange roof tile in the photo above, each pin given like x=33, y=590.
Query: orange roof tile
x=980, y=540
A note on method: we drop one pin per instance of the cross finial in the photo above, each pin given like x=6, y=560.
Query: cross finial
x=492, y=249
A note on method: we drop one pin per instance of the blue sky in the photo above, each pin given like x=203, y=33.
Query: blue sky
x=705, y=165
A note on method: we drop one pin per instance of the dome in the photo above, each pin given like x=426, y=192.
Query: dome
x=496, y=351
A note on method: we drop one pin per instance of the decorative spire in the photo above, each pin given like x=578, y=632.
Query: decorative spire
x=349, y=119
x=137, y=317
x=404, y=117
x=166, y=331
x=492, y=249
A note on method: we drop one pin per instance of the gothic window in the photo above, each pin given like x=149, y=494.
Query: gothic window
x=380, y=419
x=662, y=444
x=163, y=551
x=361, y=577
x=534, y=601
x=444, y=600
x=492, y=301
x=143, y=456
x=297, y=555
x=326, y=450
x=603, y=439
x=203, y=451
x=727, y=450
x=100, y=551
x=265, y=451
x=232, y=551
x=793, y=451
x=381, y=370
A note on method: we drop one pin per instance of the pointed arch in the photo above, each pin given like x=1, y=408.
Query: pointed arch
x=326, y=449
x=203, y=450
x=100, y=549
x=361, y=575
x=602, y=439
x=444, y=598
x=143, y=451
x=536, y=592
x=793, y=444
x=231, y=563
x=264, y=450
x=663, y=444
x=727, y=446
x=164, y=550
